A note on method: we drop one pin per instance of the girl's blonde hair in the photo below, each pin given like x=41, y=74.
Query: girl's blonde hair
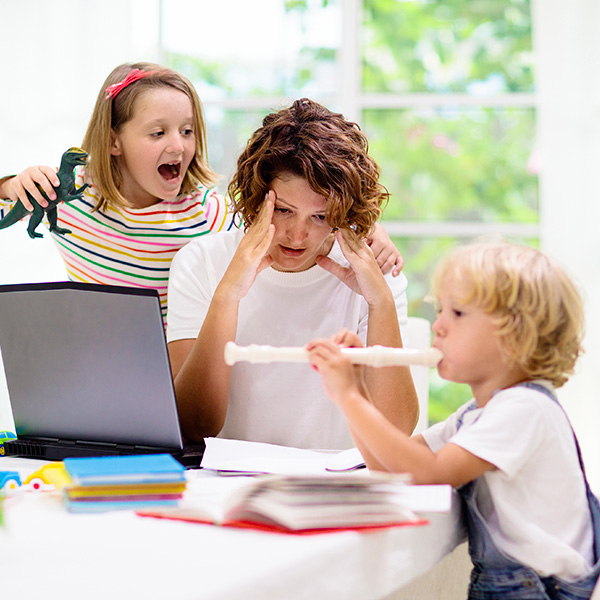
x=112, y=113
x=537, y=308
x=331, y=153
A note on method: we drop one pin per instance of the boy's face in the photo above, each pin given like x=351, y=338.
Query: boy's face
x=155, y=147
x=466, y=335
x=301, y=231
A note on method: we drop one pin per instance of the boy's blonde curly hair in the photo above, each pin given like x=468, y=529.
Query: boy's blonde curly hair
x=536, y=306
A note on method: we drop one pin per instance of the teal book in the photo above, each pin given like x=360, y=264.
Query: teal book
x=93, y=507
x=122, y=470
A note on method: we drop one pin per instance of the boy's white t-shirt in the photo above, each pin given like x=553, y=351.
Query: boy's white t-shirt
x=277, y=403
x=535, y=502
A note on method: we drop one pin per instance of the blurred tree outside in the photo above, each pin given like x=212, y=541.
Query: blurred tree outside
x=437, y=83
x=450, y=162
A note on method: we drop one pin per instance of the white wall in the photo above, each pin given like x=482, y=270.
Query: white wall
x=567, y=40
x=54, y=54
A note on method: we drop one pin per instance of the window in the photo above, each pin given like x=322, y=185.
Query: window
x=444, y=89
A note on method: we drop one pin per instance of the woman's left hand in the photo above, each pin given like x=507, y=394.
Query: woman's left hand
x=363, y=276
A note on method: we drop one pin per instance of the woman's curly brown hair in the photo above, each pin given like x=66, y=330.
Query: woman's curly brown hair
x=536, y=307
x=320, y=146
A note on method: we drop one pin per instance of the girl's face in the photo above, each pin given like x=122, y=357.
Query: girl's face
x=155, y=148
x=301, y=231
x=466, y=335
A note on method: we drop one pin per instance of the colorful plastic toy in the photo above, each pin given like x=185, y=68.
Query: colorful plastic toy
x=4, y=437
x=50, y=476
x=9, y=481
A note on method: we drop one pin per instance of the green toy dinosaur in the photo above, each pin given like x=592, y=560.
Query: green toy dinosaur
x=65, y=192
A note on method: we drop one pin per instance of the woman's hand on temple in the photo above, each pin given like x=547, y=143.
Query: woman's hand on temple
x=251, y=256
x=363, y=276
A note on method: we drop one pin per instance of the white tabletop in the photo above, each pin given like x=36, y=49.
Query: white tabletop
x=122, y=555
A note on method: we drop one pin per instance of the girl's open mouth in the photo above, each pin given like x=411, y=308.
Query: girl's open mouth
x=169, y=171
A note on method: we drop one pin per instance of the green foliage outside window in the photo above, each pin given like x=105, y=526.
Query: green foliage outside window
x=450, y=163
x=441, y=162
x=474, y=46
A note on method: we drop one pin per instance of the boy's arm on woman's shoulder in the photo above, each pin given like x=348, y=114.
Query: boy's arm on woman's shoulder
x=386, y=253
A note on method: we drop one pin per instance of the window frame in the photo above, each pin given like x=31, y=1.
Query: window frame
x=352, y=102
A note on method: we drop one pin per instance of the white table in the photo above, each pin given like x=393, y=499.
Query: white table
x=119, y=555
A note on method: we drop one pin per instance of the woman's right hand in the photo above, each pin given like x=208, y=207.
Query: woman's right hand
x=16, y=188
x=251, y=256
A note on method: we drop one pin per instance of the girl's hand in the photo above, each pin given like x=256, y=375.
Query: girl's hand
x=16, y=188
x=387, y=255
x=338, y=373
x=364, y=275
x=251, y=256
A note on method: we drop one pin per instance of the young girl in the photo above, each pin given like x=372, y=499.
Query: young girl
x=151, y=184
x=509, y=325
x=309, y=194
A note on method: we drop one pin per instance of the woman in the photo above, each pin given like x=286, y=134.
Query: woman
x=309, y=195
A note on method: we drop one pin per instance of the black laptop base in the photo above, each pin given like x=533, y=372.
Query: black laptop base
x=52, y=449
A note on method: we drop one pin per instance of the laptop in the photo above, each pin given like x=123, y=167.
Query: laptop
x=88, y=372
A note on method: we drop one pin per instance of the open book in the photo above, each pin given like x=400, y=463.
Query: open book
x=317, y=503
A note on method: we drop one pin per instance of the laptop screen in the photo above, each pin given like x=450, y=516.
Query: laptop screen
x=88, y=362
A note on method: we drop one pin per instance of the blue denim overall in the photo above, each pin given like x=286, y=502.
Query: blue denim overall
x=497, y=576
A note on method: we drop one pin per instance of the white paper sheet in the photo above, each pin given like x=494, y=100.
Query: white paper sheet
x=237, y=456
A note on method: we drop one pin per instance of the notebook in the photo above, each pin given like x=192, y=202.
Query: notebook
x=88, y=372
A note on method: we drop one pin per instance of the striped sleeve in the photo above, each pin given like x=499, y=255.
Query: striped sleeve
x=135, y=247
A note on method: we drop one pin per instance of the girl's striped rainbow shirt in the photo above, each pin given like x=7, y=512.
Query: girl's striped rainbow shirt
x=134, y=247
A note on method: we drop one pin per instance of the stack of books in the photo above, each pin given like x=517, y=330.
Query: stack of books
x=317, y=503
x=122, y=482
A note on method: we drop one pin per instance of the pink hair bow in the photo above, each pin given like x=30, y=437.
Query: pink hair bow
x=133, y=75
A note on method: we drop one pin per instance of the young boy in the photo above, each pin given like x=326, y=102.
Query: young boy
x=510, y=326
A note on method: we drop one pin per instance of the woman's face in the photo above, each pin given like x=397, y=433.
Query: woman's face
x=301, y=231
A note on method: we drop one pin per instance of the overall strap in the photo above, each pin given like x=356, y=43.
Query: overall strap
x=542, y=388
x=592, y=500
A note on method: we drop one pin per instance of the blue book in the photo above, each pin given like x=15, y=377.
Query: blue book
x=92, y=507
x=111, y=470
